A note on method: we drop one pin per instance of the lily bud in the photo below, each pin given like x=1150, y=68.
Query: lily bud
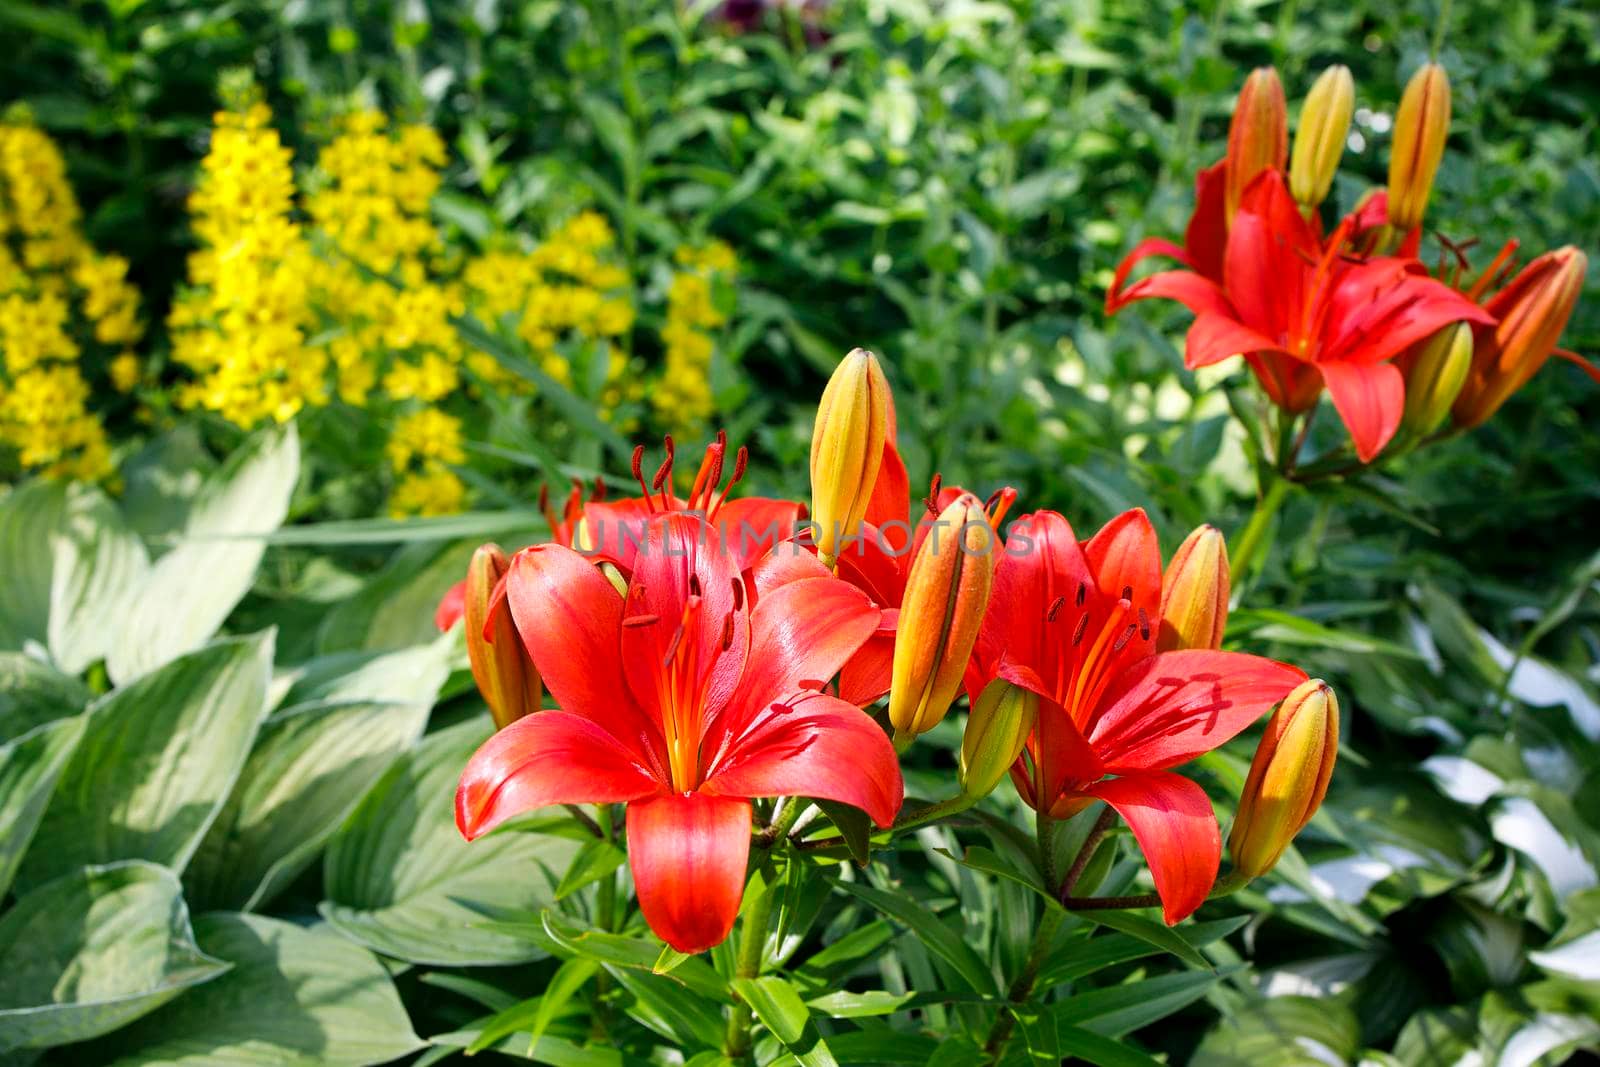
x=1258, y=137
x=1288, y=778
x=997, y=729
x=1532, y=311
x=500, y=665
x=1435, y=371
x=1319, y=140
x=1420, y=129
x=946, y=594
x=847, y=448
x=1194, y=593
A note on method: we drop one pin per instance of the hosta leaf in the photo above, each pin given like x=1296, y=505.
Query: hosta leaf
x=29, y=767
x=29, y=515
x=408, y=676
x=33, y=693
x=400, y=879
x=309, y=768
x=190, y=590
x=92, y=951
x=98, y=566
x=156, y=761
x=296, y=997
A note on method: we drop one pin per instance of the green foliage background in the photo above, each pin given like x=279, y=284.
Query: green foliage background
x=951, y=186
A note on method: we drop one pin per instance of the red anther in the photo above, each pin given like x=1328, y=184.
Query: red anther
x=1083, y=591
x=694, y=585
x=672, y=646
x=1123, y=639
x=933, y=494
x=1054, y=609
x=599, y=493
x=664, y=471
x=1127, y=594
x=640, y=620
x=738, y=594
x=1144, y=625
x=1077, y=634
x=727, y=632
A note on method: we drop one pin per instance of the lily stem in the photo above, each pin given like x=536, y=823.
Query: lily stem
x=752, y=947
x=1044, y=936
x=789, y=812
x=1097, y=833
x=1243, y=551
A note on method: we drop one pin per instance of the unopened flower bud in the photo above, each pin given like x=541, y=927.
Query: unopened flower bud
x=1288, y=778
x=1435, y=370
x=500, y=664
x=1194, y=593
x=946, y=594
x=1319, y=139
x=847, y=449
x=1420, y=129
x=1531, y=310
x=1258, y=137
x=997, y=729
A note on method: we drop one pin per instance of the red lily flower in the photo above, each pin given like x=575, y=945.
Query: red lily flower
x=1305, y=313
x=683, y=700
x=1078, y=624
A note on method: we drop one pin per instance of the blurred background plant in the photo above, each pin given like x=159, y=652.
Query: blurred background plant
x=529, y=232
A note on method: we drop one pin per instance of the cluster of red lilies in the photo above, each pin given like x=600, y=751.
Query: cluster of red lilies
x=1401, y=349
x=702, y=652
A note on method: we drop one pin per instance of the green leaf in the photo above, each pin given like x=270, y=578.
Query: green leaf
x=939, y=938
x=399, y=878
x=780, y=1009
x=294, y=996
x=537, y=1013
x=156, y=762
x=93, y=951
x=407, y=676
x=595, y=860
x=844, y=1005
x=853, y=825
x=670, y=1009
x=190, y=590
x=1097, y=953
x=98, y=566
x=33, y=693
x=1279, y=1032
x=1098, y=1049
x=308, y=770
x=475, y=526
x=1118, y=1010
x=634, y=953
x=29, y=515
x=1163, y=937
x=29, y=767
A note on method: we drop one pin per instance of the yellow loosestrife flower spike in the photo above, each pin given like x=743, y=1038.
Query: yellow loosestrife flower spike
x=997, y=729
x=1319, y=140
x=1288, y=778
x=1434, y=379
x=1420, y=129
x=946, y=594
x=500, y=665
x=1194, y=593
x=1258, y=137
x=847, y=449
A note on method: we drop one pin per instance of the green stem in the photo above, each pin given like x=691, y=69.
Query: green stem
x=788, y=814
x=1097, y=833
x=1242, y=553
x=920, y=817
x=1022, y=986
x=752, y=944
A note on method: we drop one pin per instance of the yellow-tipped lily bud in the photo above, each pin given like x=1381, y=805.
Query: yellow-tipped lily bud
x=1435, y=372
x=1258, y=137
x=1194, y=593
x=1319, y=139
x=1288, y=778
x=847, y=449
x=997, y=728
x=1420, y=129
x=946, y=594
x=500, y=665
x=1532, y=310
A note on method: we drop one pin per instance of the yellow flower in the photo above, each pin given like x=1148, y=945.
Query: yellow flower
x=428, y=435
x=434, y=491
x=124, y=372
